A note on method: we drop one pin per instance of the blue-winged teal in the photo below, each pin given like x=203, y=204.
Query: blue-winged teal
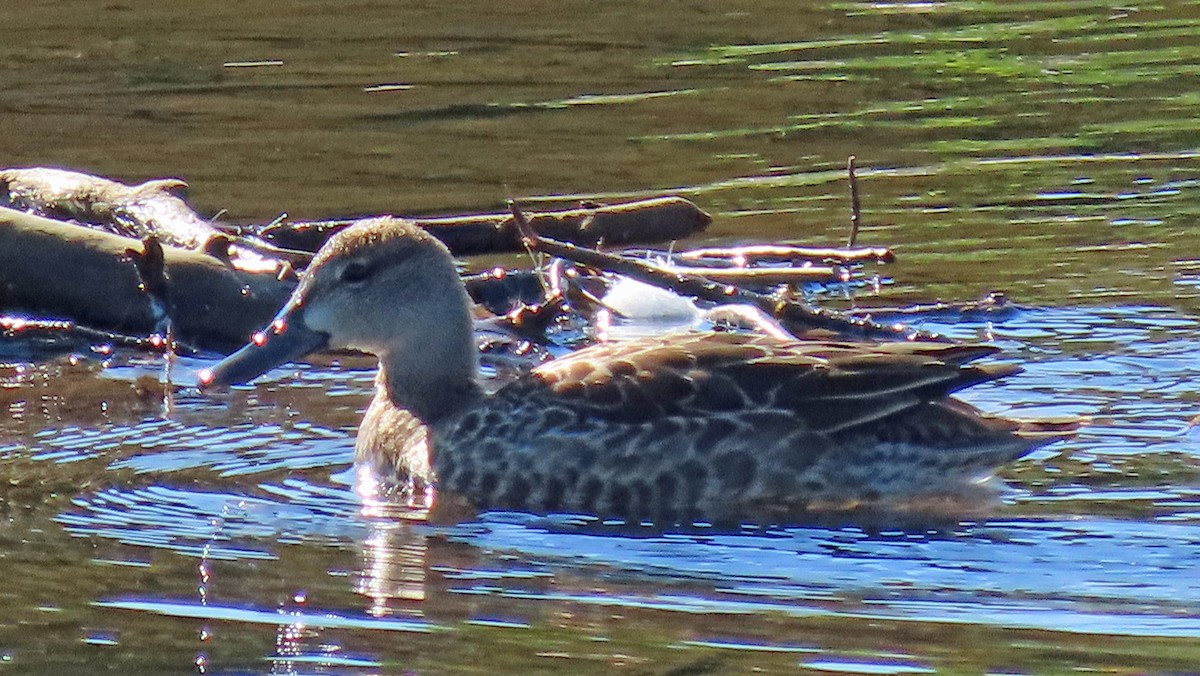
x=696, y=426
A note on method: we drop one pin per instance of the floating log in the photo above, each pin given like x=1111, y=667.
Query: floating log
x=58, y=270
x=645, y=221
x=53, y=269
x=87, y=282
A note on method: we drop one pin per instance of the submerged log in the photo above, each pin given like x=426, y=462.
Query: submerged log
x=993, y=306
x=60, y=270
x=645, y=221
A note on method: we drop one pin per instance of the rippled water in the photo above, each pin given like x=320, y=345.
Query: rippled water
x=1049, y=149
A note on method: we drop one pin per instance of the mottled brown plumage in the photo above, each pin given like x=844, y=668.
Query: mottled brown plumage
x=701, y=426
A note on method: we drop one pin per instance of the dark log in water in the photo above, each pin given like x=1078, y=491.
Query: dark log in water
x=58, y=270
x=54, y=269
x=646, y=221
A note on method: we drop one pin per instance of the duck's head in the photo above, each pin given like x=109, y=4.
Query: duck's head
x=382, y=286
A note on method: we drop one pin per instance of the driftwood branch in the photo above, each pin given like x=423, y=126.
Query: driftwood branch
x=151, y=208
x=654, y=220
x=783, y=253
x=799, y=318
x=148, y=263
x=52, y=336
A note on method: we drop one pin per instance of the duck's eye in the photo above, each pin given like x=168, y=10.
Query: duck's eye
x=355, y=271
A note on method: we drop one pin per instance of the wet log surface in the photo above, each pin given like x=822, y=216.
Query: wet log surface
x=152, y=209
x=53, y=269
x=95, y=279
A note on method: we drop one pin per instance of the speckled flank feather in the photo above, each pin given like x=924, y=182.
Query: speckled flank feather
x=725, y=427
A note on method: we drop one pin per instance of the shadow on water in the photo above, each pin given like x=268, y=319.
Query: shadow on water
x=1045, y=149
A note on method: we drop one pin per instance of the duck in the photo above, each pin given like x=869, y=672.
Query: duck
x=703, y=426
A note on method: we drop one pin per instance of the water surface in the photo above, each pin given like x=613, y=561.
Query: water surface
x=1048, y=149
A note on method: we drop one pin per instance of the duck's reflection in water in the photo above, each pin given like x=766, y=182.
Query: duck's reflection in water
x=417, y=566
x=402, y=554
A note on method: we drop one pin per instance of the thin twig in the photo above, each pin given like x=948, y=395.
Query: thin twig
x=17, y=327
x=759, y=253
x=524, y=227
x=529, y=238
x=151, y=266
x=855, y=205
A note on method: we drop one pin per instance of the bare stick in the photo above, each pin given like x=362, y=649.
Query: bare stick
x=758, y=253
x=64, y=334
x=855, y=205
x=529, y=238
x=151, y=266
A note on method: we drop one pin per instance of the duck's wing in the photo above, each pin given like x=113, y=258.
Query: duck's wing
x=830, y=386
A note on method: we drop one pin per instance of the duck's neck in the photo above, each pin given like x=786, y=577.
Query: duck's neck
x=434, y=387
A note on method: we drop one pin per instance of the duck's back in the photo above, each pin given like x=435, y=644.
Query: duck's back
x=726, y=427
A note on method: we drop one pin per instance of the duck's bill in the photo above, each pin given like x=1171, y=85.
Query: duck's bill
x=279, y=344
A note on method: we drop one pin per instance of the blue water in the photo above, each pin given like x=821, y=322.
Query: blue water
x=1093, y=536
